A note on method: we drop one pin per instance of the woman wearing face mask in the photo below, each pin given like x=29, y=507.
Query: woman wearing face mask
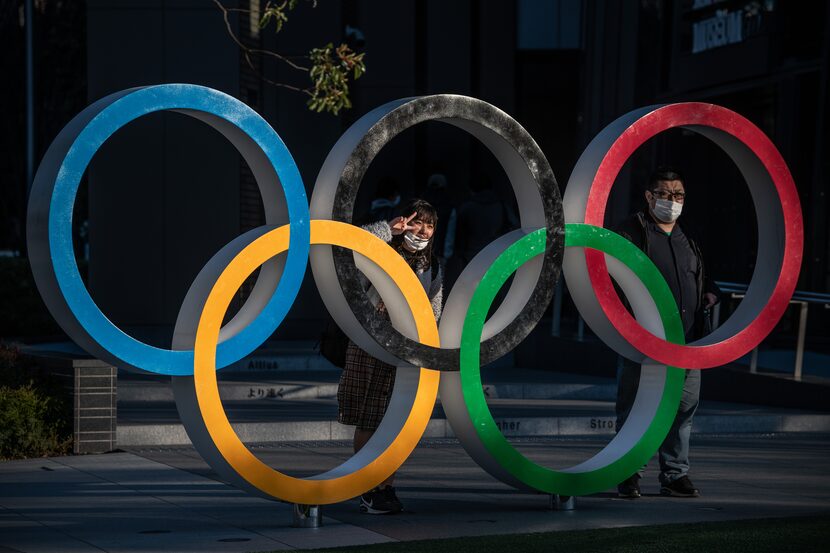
x=366, y=383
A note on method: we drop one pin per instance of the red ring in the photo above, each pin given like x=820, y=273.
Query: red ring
x=661, y=119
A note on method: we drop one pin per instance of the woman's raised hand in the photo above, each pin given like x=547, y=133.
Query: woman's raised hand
x=399, y=225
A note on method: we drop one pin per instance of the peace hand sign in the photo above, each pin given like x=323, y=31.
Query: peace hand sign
x=399, y=225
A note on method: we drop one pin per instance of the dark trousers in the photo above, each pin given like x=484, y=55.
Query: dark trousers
x=674, y=452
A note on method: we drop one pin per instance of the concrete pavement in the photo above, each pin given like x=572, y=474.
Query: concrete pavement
x=158, y=494
x=168, y=499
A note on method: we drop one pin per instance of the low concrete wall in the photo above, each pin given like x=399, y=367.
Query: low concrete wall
x=92, y=385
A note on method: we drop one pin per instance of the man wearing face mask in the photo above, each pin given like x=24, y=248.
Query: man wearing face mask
x=679, y=260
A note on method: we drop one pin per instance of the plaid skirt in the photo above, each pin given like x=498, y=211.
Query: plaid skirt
x=365, y=389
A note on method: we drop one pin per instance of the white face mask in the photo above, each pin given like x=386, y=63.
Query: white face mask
x=667, y=211
x=415, y=243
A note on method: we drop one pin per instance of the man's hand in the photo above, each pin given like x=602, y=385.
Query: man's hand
x=709, y=299
x=399, y=225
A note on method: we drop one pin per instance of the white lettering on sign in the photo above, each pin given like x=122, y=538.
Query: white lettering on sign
x=725, y=28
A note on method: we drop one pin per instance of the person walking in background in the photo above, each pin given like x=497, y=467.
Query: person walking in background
x=387, y=198
x=480, y=219
x=366, y=382
x=438, y=194
x=679, y=260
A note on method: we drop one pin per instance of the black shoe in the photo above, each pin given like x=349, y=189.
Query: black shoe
x=392, y=497
x=629, y=488
x=682, y=487
x=379, y=502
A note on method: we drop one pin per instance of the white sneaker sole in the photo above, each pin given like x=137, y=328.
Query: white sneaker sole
x=371, y=511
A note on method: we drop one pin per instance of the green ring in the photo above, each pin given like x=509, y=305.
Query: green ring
x=536, y=476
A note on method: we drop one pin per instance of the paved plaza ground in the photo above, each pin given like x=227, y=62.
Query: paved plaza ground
x=168, y=499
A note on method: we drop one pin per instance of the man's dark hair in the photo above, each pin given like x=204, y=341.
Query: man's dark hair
x=664, y=172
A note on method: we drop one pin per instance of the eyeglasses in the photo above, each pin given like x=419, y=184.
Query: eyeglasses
x=668, y=194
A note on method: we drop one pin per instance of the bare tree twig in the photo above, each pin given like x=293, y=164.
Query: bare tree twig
x=247, y=50
x=288, y=86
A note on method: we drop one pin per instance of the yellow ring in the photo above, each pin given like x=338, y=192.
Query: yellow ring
x=313, y=491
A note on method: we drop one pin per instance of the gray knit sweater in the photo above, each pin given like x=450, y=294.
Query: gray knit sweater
x=436, y=290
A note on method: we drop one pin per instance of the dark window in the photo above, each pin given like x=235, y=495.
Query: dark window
x=549, y=25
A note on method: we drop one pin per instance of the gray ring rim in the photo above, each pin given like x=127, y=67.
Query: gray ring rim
x=477, y=118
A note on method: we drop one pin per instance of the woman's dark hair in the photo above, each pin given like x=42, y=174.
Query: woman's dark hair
x=426, y=212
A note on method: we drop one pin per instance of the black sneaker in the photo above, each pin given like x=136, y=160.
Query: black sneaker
x=629, y=488
x=392, y=497
x=377, y=502
x=682, y=487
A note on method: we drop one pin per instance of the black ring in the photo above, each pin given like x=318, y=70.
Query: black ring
x=446, y=108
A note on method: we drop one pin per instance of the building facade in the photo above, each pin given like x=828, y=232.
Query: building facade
x=166, y=192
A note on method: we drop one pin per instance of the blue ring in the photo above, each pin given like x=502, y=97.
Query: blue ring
x=122, y=111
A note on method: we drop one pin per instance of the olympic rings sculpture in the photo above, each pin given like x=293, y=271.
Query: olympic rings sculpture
x=555, y=234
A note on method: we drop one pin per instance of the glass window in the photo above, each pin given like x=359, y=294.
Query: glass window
x=549, y=24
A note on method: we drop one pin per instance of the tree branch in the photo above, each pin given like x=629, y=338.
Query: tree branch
x=330, y=69
x=247, y=50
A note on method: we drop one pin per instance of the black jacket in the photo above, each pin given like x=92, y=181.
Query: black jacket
x=634, y=230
